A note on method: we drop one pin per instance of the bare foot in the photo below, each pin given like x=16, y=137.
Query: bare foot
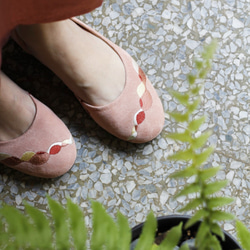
x=17, y=110
x=86, y=64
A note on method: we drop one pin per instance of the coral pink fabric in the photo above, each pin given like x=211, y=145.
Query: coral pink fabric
x=15, y=12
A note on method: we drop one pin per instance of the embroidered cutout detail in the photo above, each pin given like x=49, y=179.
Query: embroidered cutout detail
x=145, y=101
x=37, y=158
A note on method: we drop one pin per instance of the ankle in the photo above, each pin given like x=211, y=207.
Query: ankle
x=16, y=108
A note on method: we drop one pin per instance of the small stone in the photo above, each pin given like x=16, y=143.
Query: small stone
x=14, y=189
x=148, y=150
x=169, y=66
x=229, y=138
x=230, y=175
x=130, y=186
x=106, y=178
x=162, y=143
x=94, y=176
x=127, y=197
x=166, y=14
x=243, y=114
x=237, y=182
x=235, y=110
x=246, y=129
x=18, y=199
x=98, y=186
x=237, y=23
x=106, y=21
x=172, y=47
x=235, y=165
x=192, y=44
x=136, y=194
x=228, y=226
x=164, y=197
x=221, y=122
x=137, y=12
x=139, y=217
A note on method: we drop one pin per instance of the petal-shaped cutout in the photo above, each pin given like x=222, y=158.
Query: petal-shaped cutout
x=39, y=158
x=141, y=103
x=135, y=117
x=147, y=101
x=55, y=149
x=11, y=161
x=140, y=117
x=142, y=76
x=133, y=133
x=135, y=65
x=67, y=142
x=141, y=89
x=27, y=156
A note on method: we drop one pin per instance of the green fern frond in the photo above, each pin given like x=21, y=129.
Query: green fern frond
x=195, y=124
x=182, y=137
x=61, y=228
x=42, y=233
x=192, y=205
x=172, y=239
x=189, y=189
x=185, y=173
x=77, y=225
x=215, y=202
x=147, y=236
x=214, y=187
x=64, y=230
x=200, y=214
x=243, y=235
x=203, y=186
x=124, y=231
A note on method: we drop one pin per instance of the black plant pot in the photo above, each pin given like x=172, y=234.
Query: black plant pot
x=167, y=222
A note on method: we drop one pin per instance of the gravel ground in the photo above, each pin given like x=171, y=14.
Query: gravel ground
x=163, y=37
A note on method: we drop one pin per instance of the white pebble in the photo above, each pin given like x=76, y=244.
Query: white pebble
x=18, y=199
x=166, y=14
x=230, y=176
x=148, y=150
x=237, y=23
x=169, y=66
x=228, y=226
x=192, y=44
x=130, y=186
x=139, y=217
x=137, y=12
x=98, y=186
x=235, y=110
x=162, y=143
x=106, y=178
x=235, y=165
x=243, y=114
x=190, y=23
x=164, y=197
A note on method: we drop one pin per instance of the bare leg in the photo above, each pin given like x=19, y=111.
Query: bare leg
x=86, y=64
x=17, y=110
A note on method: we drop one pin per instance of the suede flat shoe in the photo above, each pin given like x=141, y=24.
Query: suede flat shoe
x=46, y=149
x=137, y=114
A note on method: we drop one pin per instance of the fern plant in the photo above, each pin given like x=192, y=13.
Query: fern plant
x=66, y=229
x=206, y=204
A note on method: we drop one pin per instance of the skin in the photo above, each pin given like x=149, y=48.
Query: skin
x=15, y=119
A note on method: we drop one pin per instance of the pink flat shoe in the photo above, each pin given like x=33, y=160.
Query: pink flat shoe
x=137, y=114
x=46, y=149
